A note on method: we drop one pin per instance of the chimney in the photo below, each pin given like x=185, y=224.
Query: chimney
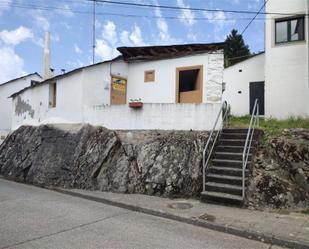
x=47, y=73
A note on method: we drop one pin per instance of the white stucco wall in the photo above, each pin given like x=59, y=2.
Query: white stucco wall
x=286, y=66
x=7, y=90
x=96, y=82
x=154, y=116
x=163, y=89
x=252, y=70
x=32, y=106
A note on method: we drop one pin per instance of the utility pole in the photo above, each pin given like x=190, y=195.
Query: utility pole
x=93, y=33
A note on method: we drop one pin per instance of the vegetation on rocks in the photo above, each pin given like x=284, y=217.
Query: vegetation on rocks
x=281, y=166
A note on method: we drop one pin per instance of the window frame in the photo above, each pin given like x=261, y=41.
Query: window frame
x=289, y=31
x=145, y=76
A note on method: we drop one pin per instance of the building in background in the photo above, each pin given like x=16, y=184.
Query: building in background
x=6, y=107
x=279, y=78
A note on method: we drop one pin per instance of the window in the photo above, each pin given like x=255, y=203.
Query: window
x=189, y=84
x=188, y=80
x=149, y=76
x=290, y=30
x=52, y=95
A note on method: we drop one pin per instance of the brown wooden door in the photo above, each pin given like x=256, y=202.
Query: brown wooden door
x=118, y=91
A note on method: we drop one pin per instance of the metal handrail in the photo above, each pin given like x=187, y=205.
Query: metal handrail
x=205, y=162
x=245, y=155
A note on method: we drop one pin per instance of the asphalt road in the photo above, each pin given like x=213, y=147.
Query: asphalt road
x=32, y=217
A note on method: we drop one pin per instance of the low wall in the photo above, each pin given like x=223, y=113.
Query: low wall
x=121, y=117
x=154, y=116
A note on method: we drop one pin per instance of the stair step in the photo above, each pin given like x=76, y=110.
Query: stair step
x=228, y=163
x=234, y=180
x=233, y=135
x=235, y=130
x=230, y=155
x=221, y=198
x=233, y=142
x=223, y=188
x=228, y=171
x=229, y=148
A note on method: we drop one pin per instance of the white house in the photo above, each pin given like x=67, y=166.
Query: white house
x=240, y=80
x=6, y=90
x=280, y=76
x=180, y=87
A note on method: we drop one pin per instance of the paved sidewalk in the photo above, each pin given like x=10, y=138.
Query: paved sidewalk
x=291, y=230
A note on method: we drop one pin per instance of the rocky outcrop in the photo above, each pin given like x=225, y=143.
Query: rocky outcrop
x=281, y=172
x=83, y=156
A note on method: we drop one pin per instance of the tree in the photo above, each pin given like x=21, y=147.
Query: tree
x=235, y=49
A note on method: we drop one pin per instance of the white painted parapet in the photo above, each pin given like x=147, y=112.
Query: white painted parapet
x=154, y=116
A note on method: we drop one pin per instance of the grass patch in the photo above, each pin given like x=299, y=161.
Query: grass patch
x=271, y=127
x=306, y=211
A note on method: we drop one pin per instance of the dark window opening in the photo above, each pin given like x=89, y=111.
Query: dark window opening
x=52, y=95
x=188, y=80
x=290, y=30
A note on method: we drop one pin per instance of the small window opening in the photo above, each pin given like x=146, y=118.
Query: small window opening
x=188, y=80
x=149, y=76
x=52, y=95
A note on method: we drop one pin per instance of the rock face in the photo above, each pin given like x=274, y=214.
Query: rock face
x=281, y=172
x=88, y=157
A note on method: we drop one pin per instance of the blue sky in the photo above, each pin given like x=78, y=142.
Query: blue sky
x=23, y=23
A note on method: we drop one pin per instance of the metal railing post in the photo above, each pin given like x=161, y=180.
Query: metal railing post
x=254, y=121
x=205, y=162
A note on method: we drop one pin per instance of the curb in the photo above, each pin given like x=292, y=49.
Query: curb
x=265, y=238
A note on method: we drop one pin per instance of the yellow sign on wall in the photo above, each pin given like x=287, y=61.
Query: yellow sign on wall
x=119, y=84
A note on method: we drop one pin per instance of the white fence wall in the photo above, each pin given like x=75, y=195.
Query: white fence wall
x=154, y=116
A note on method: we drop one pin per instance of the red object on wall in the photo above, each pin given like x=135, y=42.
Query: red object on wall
x=136, y=104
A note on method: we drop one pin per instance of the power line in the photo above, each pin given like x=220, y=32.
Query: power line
x=265, y=2
x=188, y=8
x=48, y=8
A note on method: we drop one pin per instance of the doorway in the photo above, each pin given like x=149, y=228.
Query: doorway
x=189, y=84
x=118, y=91
x=257, y=92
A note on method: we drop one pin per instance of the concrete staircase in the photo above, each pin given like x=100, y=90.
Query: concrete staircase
x=224, y=177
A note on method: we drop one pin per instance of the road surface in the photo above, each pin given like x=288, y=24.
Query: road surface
x=32, y=217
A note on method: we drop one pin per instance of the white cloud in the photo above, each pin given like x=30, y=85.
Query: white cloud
x=125, y=39
x=192, y=37
x=109, y=32
x=218, y=18
x=11, y=65
x=136, y=36
x=65, y=10
x=77, y=49
x=55, y=37
x=162, y=26
x=5, y=5
x=104, y=50
x=40, y=20
x=16, y=36
x=186, y=15
x=108, y=42
x=66, y=25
